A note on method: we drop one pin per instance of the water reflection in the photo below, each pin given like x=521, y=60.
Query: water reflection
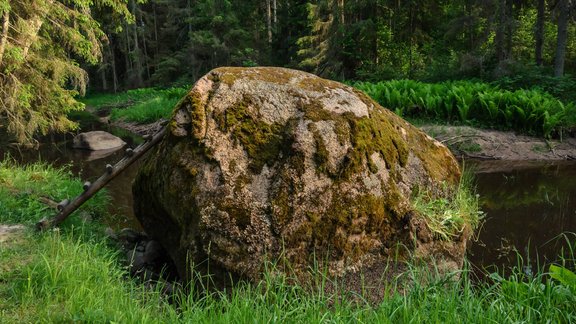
x=527, y=205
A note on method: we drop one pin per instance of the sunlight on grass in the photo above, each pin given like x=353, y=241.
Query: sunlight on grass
x=24, y=191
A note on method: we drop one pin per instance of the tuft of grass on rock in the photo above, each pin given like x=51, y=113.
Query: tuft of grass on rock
x=448, y=217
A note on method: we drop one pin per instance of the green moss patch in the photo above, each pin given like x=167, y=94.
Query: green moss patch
x=263, y=142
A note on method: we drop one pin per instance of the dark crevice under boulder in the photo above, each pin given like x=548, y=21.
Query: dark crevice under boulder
x=272, y=164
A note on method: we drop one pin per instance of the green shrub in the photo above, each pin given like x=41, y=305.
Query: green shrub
x=532, y=112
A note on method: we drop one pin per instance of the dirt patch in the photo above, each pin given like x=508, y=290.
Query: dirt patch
x=11, y=233
x=140, y=129
x=465, y=141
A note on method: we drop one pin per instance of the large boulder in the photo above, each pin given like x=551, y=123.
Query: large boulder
x=272, y=164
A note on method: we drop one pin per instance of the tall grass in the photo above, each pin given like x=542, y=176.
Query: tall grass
x=532, y=112
x=75, y=275
x=67, y=279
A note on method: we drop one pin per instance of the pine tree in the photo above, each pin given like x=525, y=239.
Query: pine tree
x=40, y=41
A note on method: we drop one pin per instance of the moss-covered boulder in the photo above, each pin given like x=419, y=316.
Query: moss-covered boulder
x=272, y=164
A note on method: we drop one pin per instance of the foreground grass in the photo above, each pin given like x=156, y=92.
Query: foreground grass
x=26, y=193
x=75, y=275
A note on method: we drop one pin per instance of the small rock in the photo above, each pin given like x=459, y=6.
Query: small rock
x=97, y=140
x=110, y=233
x=136, y=260
x=129, y=235
x=153, y=252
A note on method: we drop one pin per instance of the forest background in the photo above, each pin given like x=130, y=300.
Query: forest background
x=127, y=44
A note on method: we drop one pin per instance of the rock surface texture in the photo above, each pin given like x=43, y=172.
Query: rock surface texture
x=97, y=140
x=272, y=164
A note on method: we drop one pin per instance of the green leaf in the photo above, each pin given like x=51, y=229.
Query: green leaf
x=563, y=275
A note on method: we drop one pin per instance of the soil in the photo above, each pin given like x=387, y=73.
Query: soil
x=11, y=233
x=469, y=142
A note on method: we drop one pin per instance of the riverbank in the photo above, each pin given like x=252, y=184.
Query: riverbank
x=470, y=142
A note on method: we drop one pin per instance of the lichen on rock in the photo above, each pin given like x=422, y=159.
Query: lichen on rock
x=272, y=164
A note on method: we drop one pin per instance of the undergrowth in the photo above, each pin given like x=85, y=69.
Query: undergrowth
x=529, y=111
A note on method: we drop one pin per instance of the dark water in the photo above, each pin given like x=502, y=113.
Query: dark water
x=527, y=205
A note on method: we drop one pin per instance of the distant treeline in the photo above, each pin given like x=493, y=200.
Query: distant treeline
x=177, y=41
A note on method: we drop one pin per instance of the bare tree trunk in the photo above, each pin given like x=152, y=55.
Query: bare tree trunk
x=144, y=47
x=561, y=38
x=341, y=10
x=275, y=9
x=269, y=20
x=114, y=73
x=155, y=32
x=540, y=31
x=500, y=37
x=137, y=53
x=103, y=76
x=4, y=36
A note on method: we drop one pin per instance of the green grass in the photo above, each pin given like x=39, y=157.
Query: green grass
x=148, y=111
x=144, y=105
x=75, y=275
x=24, y=188
x=448, y=218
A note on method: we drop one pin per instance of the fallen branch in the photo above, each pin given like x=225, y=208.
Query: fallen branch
x=68, y=207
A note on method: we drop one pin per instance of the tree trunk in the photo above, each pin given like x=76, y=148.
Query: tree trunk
x=561, y=38
x=113, y=61
x=500, y=37
x=144, y=47
x=103, y=76
x=540, y=31
x=4, y=36
x=137, y=54
x=275, y=9
x=269, y=20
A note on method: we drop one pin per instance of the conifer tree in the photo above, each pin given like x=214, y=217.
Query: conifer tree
x=41, y=42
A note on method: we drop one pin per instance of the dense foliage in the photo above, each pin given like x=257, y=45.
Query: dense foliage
x=39, y=75
x=157, y=43
x=530, y=111
x=373, y=40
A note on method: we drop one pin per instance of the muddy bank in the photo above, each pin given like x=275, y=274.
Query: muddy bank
x=469, y=142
